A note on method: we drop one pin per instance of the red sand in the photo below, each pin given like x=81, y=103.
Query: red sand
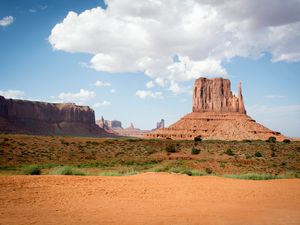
x=147, y=199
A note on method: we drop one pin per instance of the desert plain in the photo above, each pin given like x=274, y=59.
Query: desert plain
x=145, y=181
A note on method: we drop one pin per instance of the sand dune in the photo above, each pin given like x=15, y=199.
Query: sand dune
x=149, y=198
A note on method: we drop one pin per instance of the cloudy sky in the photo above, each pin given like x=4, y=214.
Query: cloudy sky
x=136, y=61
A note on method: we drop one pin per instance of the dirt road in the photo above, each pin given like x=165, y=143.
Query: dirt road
x=147, y=199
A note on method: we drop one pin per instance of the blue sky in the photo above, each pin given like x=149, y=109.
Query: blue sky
x=145, y=59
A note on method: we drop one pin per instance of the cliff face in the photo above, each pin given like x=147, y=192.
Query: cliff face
x=21, y=116
x=217, y=114
x=214, y=95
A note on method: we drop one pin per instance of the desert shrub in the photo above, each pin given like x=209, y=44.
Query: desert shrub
x=195, y=151
x=286, y=141
x=229, y=152
x=62, y=141
x=183, y=170
x=119, y=173
x=68, y=170
x=31, y=170
x=283, y=164
x=272, y=139
x=222, y=164
x=252, y=176
x=170, y=149
x=246, y=140
x=208, y=170
x=197, y=138
x=273, y=154
x=257, y=154
x=193, y=172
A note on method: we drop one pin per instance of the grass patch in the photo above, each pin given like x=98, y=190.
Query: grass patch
x=258, y=154
x=68, y=170
x=31, y=170
x=229, y=152
x=195, y=151
x=119, y=173
x=180, y=170
x=8, y=168
x=253, y=176
x=170, y=149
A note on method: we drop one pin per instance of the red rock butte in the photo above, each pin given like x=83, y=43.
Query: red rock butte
x=216, y=114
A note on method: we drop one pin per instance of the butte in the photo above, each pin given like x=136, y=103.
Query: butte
x=216, y=114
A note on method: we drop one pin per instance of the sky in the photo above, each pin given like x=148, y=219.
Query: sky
x=136, y=61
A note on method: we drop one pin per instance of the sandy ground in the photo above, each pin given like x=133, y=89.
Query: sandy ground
x=147, y=199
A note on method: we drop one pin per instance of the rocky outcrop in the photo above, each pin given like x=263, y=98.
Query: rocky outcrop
x=214, y=95
x=216, y=114
x=31, y=117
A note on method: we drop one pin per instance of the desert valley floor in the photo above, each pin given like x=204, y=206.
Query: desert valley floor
x=149, y=198
x=148, y=181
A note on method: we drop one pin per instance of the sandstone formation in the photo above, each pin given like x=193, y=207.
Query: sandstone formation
x=42, y=118
x=216, y=114
x=214, y=95
x=115, y=127
x=130, y=131
x=160, y=124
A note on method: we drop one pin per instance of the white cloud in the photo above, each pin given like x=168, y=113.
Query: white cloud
x=150, y=84
x=112, y=91
x=101, y=104
x=148, y=94
x=81, y=96
x=177, y=89
x=180, y=40
x=32, y=10
x=5, y=21
x=16, y=94
x=100, y=83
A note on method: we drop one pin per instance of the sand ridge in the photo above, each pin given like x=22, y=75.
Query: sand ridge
x=151, y=198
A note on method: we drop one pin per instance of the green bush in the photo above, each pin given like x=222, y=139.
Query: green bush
x=286, y=141
x=208, y=170
x=31, y=170
x=68, y=170
x=258, y=154
x=272, y=139
x=170, y=149
x=197, y=138
x=229, y=152
x=195, y=151
x=252, y=176
x=119, y=173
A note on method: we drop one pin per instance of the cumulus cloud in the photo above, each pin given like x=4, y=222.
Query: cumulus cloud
x=142, y=94
x=5, y=21
x=16, y=94
x=175, y=40
x=175, y=88
x=100, y=83
x=150, y=84
x=101, y=104
x=79, y=97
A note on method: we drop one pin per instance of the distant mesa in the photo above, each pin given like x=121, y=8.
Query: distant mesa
x=160, y=124
x=115, y=127
x=216, y=114
x=43, y=118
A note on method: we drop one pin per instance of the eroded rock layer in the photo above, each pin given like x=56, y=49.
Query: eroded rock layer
x=216, y=114
x=214, y=95
x=30, y=117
